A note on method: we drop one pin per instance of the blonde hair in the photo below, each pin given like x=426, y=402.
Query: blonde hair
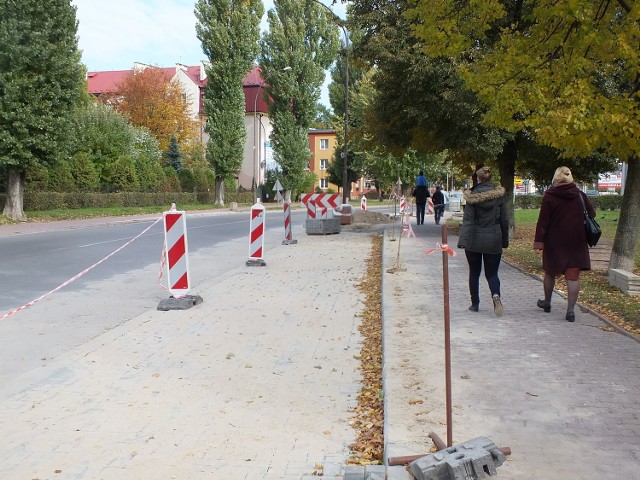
x=483, y=174
x=562, y=175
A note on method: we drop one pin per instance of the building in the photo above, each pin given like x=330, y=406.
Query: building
x=193, y=79
x=322, y=144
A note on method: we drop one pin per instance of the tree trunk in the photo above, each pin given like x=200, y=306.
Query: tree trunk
x=287, y=196
x=219, y=192
x=13, y=208
x=625, y=244
x=507, y=167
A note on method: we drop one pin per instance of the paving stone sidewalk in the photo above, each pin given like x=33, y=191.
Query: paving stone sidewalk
x=564, y=396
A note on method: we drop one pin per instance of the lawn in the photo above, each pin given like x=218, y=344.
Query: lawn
x=595, y=291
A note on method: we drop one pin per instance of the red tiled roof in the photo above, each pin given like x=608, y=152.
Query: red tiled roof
x=99, y=83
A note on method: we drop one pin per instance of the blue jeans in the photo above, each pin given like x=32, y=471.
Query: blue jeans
x=420, y=213
x=491, y=264
x=439, y=212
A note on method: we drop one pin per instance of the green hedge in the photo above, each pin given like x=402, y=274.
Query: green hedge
x=38, y=201
x=600, y=202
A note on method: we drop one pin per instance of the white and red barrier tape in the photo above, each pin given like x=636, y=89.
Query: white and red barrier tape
x=86, y=270
x=407, y=231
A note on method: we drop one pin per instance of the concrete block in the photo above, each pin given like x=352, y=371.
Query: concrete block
x=182, y=303
x=322, y=226
x=627, y=282
x=471, y=460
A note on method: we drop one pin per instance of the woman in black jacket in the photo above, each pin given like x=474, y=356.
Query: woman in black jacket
x=484, y=233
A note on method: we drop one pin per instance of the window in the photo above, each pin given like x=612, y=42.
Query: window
x=324, y=164
x=324, y=183
x=324, y=144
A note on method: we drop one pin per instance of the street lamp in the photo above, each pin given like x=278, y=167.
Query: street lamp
x=257, y=161
x=343, y=25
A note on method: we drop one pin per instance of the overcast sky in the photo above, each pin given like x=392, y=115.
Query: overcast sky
x=115, y=34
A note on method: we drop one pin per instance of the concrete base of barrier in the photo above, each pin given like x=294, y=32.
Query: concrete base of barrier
x=322, y=226
x=256, y=262
x=289, y=242
x=182, y=303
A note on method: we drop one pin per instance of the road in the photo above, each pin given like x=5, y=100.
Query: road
x=115, y=291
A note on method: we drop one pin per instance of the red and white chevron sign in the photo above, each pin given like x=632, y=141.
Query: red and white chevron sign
x=403, y=204
x=177, y=254
x=322, y=200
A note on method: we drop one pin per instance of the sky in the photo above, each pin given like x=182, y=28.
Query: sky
x=113, y=35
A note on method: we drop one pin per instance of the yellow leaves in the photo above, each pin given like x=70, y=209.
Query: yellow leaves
x=369, y=413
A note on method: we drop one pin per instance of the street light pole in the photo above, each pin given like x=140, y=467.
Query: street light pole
x=346, y=190
x=256, y=151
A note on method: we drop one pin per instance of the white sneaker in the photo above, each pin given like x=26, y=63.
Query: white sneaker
x=497, y=306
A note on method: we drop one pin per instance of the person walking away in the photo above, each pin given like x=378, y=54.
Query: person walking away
x=421, y=180
x=420, y=193
x=561, y=238
x=484, y=233
x=438, y=204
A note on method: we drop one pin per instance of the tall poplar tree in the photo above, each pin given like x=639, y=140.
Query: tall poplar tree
x=229, y=31
x=41, y=81
x=301, y=44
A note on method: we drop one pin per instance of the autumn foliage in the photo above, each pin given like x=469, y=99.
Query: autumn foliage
x=149, y=99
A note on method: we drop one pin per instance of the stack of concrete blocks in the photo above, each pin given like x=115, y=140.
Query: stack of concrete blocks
x=628, y=282
x=475, y=459
x=323, y=226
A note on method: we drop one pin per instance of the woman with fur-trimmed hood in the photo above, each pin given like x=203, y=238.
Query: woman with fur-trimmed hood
x=484, y=233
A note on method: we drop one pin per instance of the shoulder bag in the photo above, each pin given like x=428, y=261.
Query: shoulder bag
x=591, y=226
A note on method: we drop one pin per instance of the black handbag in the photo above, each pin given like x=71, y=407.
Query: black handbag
x=590, y=225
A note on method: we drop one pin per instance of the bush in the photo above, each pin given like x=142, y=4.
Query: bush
x=599, y=202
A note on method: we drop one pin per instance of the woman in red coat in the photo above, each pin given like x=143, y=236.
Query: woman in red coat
x=561, y=237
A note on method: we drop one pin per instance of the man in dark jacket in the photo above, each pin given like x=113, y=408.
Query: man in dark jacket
x=438, y=204
x=421, y=194
x=484, y=233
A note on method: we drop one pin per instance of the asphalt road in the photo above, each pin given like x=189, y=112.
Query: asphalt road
x=115, y=291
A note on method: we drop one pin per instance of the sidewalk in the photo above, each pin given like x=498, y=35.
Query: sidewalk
x=257, y=382
x=563, y=396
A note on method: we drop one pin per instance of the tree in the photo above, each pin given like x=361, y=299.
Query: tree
x=229, y=31
x=41, y=82
x=173, y=155
x=566, y=72
x=106, y=136
x=151, y=100
x=300, y=45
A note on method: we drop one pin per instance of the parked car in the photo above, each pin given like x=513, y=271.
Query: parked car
x=456, y=202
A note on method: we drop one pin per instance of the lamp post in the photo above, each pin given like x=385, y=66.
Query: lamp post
x=257, y=161
x=346, y=190
x=256, y=151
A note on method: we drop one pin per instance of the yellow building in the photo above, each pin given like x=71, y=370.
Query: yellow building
x=322, y=144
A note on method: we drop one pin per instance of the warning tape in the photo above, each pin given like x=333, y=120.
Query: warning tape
x=408, y=232
x=73, y=279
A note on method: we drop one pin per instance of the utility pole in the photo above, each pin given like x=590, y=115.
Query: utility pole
x=346, y=188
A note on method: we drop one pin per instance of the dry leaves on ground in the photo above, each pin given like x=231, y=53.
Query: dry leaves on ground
x=369, y=414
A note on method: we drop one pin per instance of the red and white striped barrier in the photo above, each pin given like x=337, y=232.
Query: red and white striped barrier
x=256, y=235
x=326, y=200
x=177, y=252
x=363, y=203
x=311, y=208
x=430, y=205
x=403, y=204
x=288, y=236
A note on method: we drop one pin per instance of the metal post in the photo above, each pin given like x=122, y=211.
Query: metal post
x=447, y=336
x=346, y=188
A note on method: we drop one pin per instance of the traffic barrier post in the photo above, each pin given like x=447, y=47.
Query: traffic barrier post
x=256, y=235
x=288, y=236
